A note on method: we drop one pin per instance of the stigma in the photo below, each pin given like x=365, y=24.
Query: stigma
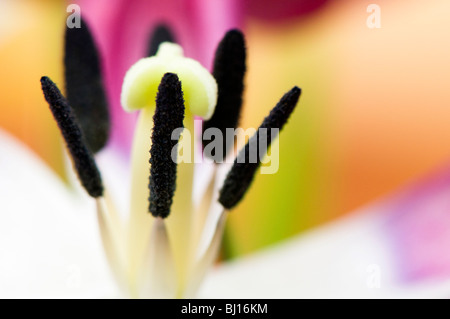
x=141, y=82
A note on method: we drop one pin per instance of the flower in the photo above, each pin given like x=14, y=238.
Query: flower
x=80, y=144
x=161, y=256
x=122, y=37
x=350, y=65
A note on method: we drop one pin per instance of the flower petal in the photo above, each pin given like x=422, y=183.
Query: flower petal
x=351, y=258
x=50, y=245
x=419, y=227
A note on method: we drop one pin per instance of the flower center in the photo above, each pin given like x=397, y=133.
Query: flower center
x=142, y=80
x=165, y=257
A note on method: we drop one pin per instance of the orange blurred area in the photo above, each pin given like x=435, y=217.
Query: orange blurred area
x=391, y=112
x=30, y=47
x=373, y=115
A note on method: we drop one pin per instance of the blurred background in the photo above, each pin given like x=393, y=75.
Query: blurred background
x=373, y=116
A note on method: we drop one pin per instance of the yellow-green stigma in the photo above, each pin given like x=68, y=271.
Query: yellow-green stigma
x=142, y=80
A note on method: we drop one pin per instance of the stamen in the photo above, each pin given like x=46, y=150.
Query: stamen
x=84, y=86
x=83, y=159
x=229, y=70
x=169, y=115
x=241, y=175
x=161, y=34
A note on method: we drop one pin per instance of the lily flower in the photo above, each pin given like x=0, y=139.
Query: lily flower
x=162, y=255
x=54, y=262
x=121, y=33
x=86, y=166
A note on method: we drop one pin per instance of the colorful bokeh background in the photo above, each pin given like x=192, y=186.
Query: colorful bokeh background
x=373, y=117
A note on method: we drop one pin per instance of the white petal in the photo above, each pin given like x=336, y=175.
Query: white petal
x=49, y=240
x=349, y=258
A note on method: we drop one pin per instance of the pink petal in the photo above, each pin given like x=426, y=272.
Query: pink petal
x=419, y=226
